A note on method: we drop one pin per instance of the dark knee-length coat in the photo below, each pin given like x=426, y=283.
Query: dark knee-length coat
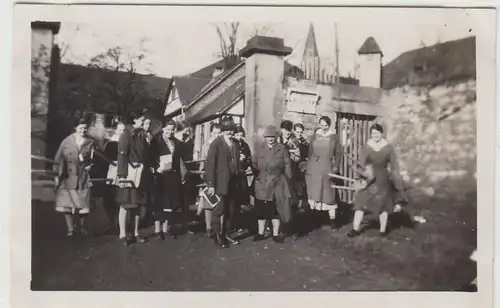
x=133, y=149
x=168, y=192
x=274, y=173
x=221, y=163
x=387, y=188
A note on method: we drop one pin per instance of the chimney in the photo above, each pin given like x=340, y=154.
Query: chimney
x=217, y=71
x=370, y=64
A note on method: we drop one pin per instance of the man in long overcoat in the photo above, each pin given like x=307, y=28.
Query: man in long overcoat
x=221, y=173
x=273, y=193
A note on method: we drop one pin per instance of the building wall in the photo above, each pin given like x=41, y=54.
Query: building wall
x=328, y=105
x=434, y=153
x=370, y=67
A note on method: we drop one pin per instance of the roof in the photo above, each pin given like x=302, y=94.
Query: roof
x=187, y=87
x=221, y=103
x=192, y=85
x=207, y=71
x=433, y=65
x=82, y=84
x=311, y=48
x=214, y=81
x=354, y=93
x=370, y=46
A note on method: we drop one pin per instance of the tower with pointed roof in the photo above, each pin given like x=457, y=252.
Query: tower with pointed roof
x=370, y=64
x=310, y=64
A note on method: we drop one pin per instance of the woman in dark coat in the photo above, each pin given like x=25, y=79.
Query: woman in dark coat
x=291, y=143
x=243, y=195
x=133, y=164
x=303, y=145
x=245, y=163
x=325, y=152
x=384, y=189
x=101, y=169
x=170, y=173
x=273, y=193
x=72, y=182
x=189, y=189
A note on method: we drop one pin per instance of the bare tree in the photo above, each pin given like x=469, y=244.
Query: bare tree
x=228, y=35
x=260, y=29
x=119, y=81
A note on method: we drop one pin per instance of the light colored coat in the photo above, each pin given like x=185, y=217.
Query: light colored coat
x=72, y=162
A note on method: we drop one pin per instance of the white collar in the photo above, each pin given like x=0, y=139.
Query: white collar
x=327, y=134
x=115, y=137
x=377, y=146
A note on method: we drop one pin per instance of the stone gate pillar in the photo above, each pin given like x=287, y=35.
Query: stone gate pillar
x=42, y=51
x=264, y=98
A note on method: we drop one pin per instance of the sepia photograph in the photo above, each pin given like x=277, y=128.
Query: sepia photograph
x=184, y=151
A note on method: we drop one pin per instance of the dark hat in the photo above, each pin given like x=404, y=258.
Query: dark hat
x=270, y=131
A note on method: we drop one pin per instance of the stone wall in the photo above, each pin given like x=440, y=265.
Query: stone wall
x=434, y=132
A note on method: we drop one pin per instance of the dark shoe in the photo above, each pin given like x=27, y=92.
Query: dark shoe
x=232, y=241
x=258, y=237
x=278, y=239
x=171, y=235
x=383, y=234
x=221, y=241
x=335, y=226
x=140, y=239
x=127, y=241
x=160, y=236
x=210, y=233
x=353, y=233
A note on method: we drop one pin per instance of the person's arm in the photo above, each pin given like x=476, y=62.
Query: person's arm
x=184, y=170
x=288, y=163
x=89, y=156
x=338, y=152
x=123, y=152
x=59, y=158
x=61, y=162
x=211, y=164
x=395, y=171
x=154, y=154
x=310, y=150
x=204, y=154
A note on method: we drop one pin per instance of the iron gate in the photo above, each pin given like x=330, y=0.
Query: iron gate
x=354, y=131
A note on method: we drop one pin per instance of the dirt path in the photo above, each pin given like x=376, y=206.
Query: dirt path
x=407, y=259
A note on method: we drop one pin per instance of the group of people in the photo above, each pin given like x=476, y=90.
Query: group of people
x=287, y=173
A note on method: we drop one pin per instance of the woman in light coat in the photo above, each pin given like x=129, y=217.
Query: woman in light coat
x=325, y=152
x=72, y=182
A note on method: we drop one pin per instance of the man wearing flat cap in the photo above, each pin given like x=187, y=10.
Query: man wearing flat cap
x=272, y=163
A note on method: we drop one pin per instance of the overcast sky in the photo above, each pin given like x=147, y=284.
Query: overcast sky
x=182, y=46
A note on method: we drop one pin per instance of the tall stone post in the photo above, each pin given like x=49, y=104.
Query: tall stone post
x=42, y=56
x=264, y=98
